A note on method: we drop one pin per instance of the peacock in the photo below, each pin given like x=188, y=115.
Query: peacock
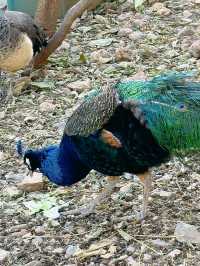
x=126, y=128
x=20, y=40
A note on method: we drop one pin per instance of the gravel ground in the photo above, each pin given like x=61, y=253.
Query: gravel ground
x=113, y=43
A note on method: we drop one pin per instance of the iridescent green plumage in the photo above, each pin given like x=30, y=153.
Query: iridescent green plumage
x=171, y=104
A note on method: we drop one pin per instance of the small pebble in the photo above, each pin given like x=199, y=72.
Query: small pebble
x=147, y=258
x=58, y=251
x=195, y=49
x=34, y=263
x=47, y=106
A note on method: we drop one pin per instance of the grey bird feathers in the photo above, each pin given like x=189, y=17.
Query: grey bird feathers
x=20, y=40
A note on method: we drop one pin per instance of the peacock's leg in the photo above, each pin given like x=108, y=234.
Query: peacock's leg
x=146, y=180
x=106, y=192
x=90, y=206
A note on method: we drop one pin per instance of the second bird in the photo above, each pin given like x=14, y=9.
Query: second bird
x=20, y=40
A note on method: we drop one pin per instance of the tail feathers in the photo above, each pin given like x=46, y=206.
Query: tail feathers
x=170, y=105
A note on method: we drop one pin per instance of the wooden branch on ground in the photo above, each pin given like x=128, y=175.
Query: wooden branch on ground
x=57, y=39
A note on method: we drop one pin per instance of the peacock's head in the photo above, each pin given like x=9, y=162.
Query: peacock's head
x=32, y=159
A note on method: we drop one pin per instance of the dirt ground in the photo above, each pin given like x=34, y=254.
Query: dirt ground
x=113, y=43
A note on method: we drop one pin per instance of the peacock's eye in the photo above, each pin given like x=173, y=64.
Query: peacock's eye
x=182, y=107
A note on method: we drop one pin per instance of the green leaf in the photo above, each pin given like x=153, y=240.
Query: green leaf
x=43, y=84
x=45, y=204
x=83, y=58
x=139, y=3
x=101, y=42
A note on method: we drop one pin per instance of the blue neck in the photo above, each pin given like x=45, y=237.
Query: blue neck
x=62, y=165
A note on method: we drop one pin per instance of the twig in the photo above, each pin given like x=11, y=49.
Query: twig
x=57, y=39
x=61, y=237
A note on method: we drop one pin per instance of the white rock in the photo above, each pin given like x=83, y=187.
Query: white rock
x=195, y=176
x=80, y=85
x=131, y=249
x=160, y=243
x=174, y=253
x=187, y=14
x=123, y=32
x=165, y=177
x=187, y=233
x=160, y=9
x=34, y=263
x=164, y=11
x=195, y=49
x=70, y=251
x=101, y=42
x=147, y=258
x=29, y=119
x=1, y=156
x=4, y=255
x=157, y=6
x=58, y=251
x=101, y=19
x=128, y=188
x=131, y=262
x=2, y=114
x=14, y=177
x=162, y=193
x=137, y=35
x=47, y=106
x=100, y=57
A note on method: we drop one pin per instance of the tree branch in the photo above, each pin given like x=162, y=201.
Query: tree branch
x=47, y=20
x=57, y=39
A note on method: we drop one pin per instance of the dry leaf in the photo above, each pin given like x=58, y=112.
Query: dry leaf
x=94, y=249
x=125, y=235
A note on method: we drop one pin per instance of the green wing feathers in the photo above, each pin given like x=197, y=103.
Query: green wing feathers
x=171, y=104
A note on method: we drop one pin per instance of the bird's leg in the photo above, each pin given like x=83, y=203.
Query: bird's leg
x=146, y=180
x=106, y=192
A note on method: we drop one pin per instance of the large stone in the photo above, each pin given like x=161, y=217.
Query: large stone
x=34, y=183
